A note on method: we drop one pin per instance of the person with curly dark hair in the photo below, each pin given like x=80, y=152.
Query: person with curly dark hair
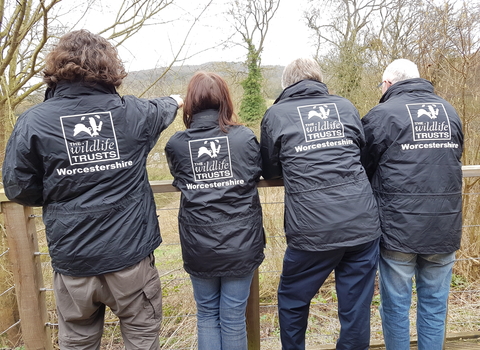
x=83, y=56
x=81, y=154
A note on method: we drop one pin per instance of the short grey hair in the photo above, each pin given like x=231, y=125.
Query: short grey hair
x=301, y=69
x=401, y=69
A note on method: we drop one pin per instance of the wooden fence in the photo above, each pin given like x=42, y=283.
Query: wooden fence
x=29, y=286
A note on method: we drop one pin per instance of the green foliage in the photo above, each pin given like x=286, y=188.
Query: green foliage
x=458, y=281
x=253, y=104
x=319, y=299
x=348, y=75
x=376, y=300
x=349, y=70
x=334, y=296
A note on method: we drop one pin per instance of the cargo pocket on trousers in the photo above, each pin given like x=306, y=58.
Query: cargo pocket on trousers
x=153, y=295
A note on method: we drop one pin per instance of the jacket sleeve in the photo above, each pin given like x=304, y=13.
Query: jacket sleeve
x=375, y=143
x=22, y=169
x=163, y=113
x=170, y=155
x=359, y=131
x=255, y=156
x=270, y=149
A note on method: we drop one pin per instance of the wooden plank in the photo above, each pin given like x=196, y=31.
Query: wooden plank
x=163, y=186
x=166, y=185
x=471, y=170
x=462, y=335
x=3, y=197
x=28, y=277
x=270, y=183
x=453, y=341
x=253, y=314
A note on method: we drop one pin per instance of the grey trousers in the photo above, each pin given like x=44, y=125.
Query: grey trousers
x=133, y=294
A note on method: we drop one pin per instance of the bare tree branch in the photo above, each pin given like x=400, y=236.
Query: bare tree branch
x=251, y=20
x=132, y=17
x=28, y=27
x=179, y=50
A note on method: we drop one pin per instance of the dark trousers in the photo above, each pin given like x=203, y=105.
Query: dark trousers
x=304, y=273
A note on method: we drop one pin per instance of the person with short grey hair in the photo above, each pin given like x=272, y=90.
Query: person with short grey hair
x=301, y=69
x=412, y=157
x=399, y=70
x=312, y=140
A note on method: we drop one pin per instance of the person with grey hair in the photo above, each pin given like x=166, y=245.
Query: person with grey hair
x=301, y=69
x=399, y=70
x=412, y=157
x=312, y=140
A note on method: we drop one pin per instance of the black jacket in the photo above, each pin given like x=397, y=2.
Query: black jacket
x=220, y=217
x=414, y=145
x=82, y=155
x=312, y=139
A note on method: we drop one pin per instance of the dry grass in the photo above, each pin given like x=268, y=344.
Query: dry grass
x=8, y=303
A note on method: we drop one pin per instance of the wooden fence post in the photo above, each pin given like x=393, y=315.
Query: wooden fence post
x=253, y=314
x=27, y=271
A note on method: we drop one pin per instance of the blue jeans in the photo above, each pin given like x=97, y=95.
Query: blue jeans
x=303, y=274
x=221, y=304
x=433, y=274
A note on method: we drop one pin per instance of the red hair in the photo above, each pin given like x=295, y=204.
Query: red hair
x=207, y=90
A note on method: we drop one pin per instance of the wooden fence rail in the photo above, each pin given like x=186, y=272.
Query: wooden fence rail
x=23, y=246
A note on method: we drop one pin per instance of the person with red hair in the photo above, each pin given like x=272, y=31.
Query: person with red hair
x=216, y=165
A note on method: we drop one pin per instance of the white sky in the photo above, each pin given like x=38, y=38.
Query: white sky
x=287, y=39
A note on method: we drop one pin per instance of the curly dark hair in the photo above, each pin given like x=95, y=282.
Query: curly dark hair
x=83, y=56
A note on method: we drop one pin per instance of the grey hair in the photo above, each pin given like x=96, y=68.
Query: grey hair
x=301, y=69
x=399, y=70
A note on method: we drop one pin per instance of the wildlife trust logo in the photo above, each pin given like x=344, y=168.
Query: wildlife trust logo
x=90, y=138
x=211, y=158
x=430, y=121
x=321, y=122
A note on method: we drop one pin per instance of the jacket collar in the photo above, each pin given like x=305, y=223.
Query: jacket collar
x=205, y=119
x=303, y=88
x=77, y=88
x=406, y=86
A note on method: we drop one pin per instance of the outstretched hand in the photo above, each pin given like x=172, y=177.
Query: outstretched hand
x=178, y=99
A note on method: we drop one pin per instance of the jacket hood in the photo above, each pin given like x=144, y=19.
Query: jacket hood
x=405, y=86
x=303, y=88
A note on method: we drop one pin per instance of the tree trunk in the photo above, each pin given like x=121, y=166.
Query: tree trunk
x=7, y=121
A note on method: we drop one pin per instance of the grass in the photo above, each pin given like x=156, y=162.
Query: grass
x=8, y=302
